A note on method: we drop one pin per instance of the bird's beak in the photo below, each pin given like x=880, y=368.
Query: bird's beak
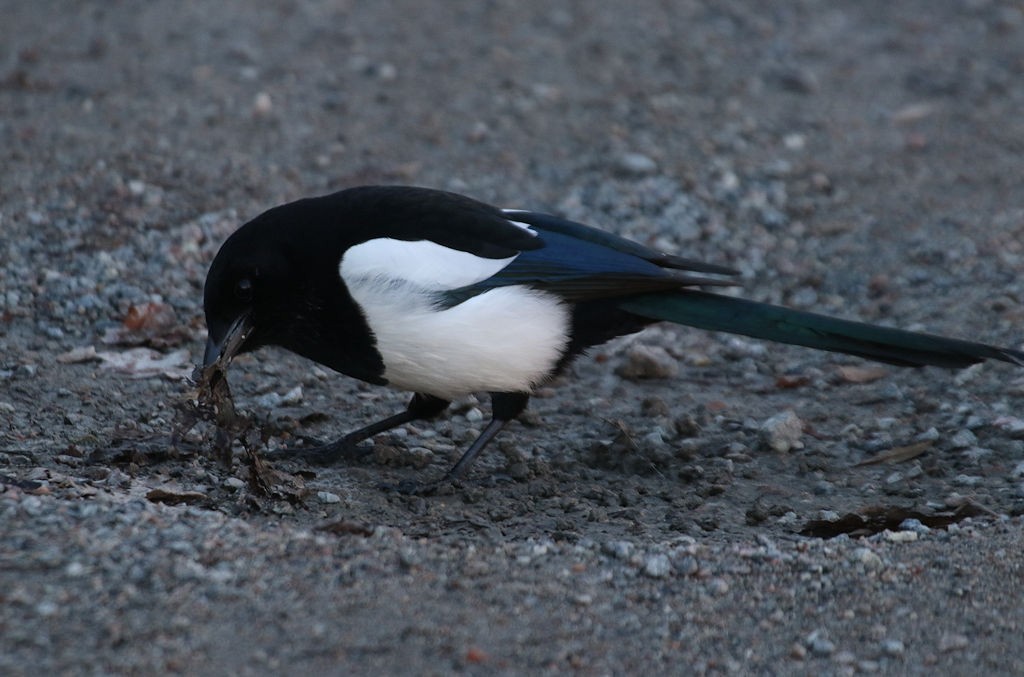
x=220, y=352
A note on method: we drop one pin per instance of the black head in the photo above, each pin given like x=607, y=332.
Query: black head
x=275, y=281
x=248, y=288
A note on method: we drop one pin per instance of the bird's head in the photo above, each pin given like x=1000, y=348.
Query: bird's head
x=248, y=292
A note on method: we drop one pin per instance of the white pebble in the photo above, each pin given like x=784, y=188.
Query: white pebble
x=783, y=431
x=819, y=643
x=867, y=557
x=657, y=565
x=901, y=536
x=262, y=104
x=963, y=439
x=893, y=647
x=292, y=397
x=75, y=569
x=914, y=525
x=1018, y=470
x=46, y=608
x=636, y=164
x=618, y=549
x=953, y=642
x=234, y=483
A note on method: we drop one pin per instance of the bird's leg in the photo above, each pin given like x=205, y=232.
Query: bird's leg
x=420, y=407
x=504, y=408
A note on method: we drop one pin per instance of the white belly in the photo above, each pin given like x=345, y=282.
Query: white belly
x=504, y=340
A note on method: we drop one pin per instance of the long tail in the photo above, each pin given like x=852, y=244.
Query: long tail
x=775, y=323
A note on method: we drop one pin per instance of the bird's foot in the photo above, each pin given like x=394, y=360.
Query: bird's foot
x=326, y=454
x=416, y=487
x=448, y=481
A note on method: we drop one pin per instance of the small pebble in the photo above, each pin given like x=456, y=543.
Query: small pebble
x=657, y=565
x=900, y=536
x=234, y=483
x=75, y=569
x=272, y=400
x=914, y=525
x=1018, y=470
x=618, y=549
x=262, y=105
x=867, y=557
x=47, y=608
x=819, y=644
x=952, y=641
x=687, y=565
x=783, y=432
x=825, y=488
x=647, y=362
x=635, y=164
x=328, y=497
x=963, y=439
x=893, y=647
x=1011, y=425
x=976, y=454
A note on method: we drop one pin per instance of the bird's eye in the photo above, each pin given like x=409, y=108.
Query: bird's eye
x=243, y=290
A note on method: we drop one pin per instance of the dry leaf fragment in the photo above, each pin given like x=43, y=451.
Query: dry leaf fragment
x=913, y=112
x=146, y=362
x=852, y=374
x=875, y=519
x=898, y=454
x=786, y=381
x=149, y=324
x=79, y=355
x=346, y=528
x=174, y=497
x=475, y=655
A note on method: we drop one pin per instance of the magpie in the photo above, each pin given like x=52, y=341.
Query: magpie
x=440, y=295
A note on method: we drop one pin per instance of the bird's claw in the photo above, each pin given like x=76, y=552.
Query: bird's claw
x=326, y=454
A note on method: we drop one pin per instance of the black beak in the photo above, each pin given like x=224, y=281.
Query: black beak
x=221, y=351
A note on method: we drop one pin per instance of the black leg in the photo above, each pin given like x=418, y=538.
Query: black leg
x=420, y=407
x=504, y=408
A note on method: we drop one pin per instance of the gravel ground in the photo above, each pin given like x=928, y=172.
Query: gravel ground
x=661, y=508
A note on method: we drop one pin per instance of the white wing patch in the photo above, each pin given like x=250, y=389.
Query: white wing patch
x=422, y=263
x=507, y=339
x=520, y=224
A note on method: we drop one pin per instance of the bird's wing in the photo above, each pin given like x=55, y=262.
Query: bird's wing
x=460, y=248
x=579, y=263
x=411, y=214
x=585, y=233
x=430, y=239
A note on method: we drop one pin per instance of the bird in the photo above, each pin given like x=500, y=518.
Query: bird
x=441, y=295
